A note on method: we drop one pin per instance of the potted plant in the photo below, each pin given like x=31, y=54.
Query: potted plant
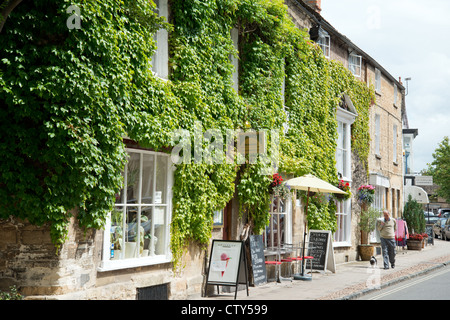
x=415, y=241
x=413, y=214
x=367, y=224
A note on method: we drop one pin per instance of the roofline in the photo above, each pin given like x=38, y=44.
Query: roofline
x=317, y=17
x=415, y=132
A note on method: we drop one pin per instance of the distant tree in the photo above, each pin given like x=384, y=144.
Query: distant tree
x=440, y=169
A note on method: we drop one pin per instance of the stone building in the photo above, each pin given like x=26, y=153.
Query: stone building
x=385, y=160
x=90, y=265
x=129, y=259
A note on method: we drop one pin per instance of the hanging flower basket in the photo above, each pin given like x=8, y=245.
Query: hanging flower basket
x=279, y=190
x=365, y=194
x=344, y=186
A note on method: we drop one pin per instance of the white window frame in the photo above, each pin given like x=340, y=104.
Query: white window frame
x=355, y=64
x=394, y=143
x=160, y=59
x=377, y=135
x=345, y=119
x=234, y=60
x=377, y=80
x=342, y=236
x=324, y=41
x=107, y=263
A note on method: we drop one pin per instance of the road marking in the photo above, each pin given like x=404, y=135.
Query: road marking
x=410, y=284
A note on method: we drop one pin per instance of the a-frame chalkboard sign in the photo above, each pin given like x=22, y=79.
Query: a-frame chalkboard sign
x=227, y=265
x=321, y=248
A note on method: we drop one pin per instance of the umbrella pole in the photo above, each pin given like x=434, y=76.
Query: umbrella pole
x=302, y=276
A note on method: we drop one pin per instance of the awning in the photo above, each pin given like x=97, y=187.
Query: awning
x=417, y=193
x=377, y=179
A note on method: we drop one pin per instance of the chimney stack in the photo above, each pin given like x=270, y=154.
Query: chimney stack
x=315, y=4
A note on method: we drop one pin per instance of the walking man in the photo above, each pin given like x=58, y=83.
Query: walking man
x=387, y=228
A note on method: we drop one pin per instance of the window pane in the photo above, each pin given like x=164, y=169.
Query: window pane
x=344, y=135
x=147, y=230
x=133, y=176
x=344, y=163
x=161, y=180
x=116, y=233
x=120, y=197
x=148, y=168
x=339, y=162
x=159, y=227
x=132, y=232
x=354, y=64
x=340, y=143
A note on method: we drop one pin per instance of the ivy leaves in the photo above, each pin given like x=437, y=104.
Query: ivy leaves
x=69, y=96
x=65, y=112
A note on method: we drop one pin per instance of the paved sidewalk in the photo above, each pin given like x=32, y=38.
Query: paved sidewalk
x=352, y=279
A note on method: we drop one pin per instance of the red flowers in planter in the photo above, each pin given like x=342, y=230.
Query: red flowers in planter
x=344, y=186
x=277, y=179
x=415, y=236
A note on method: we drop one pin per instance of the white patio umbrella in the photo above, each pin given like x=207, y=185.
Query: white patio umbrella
x=310, y=183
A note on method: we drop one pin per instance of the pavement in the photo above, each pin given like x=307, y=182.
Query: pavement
x=351, y=280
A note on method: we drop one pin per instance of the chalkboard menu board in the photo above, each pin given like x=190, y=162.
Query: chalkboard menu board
x=320, y=247
x=430, y=232
x=258, y=260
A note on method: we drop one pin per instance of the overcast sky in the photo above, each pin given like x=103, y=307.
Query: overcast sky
x=409, y=38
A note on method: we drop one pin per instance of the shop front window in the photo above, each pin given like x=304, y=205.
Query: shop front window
x=139, y=223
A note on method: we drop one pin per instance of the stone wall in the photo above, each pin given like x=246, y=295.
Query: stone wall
x=30, y=261
x=386, y=163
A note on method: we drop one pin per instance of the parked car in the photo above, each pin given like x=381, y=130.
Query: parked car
x=428, y=214
x=446, y=230
x=444, y=213
x=430, y=218
x=438, y=226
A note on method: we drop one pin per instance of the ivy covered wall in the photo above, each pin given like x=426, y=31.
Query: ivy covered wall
x=69, y=96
